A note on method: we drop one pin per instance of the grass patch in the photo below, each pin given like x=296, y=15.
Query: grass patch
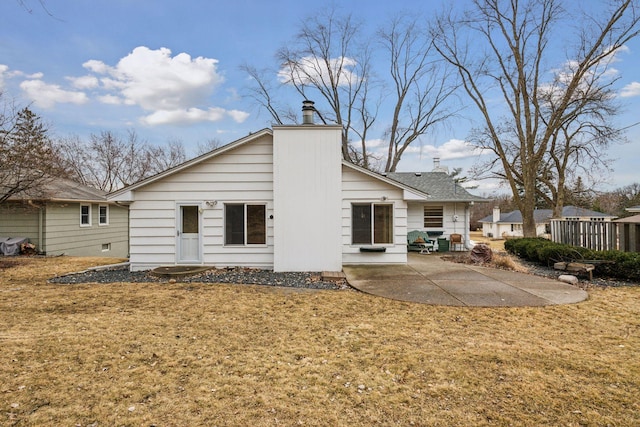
x=203, y=354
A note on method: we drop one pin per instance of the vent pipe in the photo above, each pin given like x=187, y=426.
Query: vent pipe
x=307, y=112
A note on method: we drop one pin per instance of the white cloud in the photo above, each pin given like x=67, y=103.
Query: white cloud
x=375, y=143
x=632, y=89
x=3, y=70
x=47, y=95
x=452, y=149
x=238, y=116
x=156, y=81
x=96, y=66
x=110, y=99
x=618, y=51
x=84, y=82
x=5, y=73
x=176, y=90
x=310, y=68
x=191, y=115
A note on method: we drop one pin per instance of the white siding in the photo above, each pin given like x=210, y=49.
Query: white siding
x=508, y=229
x=416, y=217
x=358, y=187
x=243, y=174
x=449, y=226
x=307, y=198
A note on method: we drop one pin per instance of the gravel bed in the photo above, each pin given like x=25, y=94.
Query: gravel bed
x=607, y=282
x=251, y=276
x=550, y=272
x=246, y=276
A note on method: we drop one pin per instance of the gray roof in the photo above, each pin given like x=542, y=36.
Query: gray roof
x=544, y=215
x=629, y=220
x=63, y=189
x=439, y=185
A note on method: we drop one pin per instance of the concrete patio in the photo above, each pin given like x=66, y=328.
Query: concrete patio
x=428, y=279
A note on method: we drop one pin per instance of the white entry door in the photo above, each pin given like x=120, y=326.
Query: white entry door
x=188, y=233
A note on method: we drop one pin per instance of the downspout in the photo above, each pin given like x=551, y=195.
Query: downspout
x=40, y=230
x=467, y=220
x=40, y=225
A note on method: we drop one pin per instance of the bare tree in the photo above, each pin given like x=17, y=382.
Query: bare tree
x=25, y=5
x=329, y=60
x=207, y=146
x=109, y=162
x=166, y=156
x=28, y=158
x=503, y=48
x=419, y=85
x=264, y=93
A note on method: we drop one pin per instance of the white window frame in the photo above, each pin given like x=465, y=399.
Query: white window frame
x=246, y=228
x=88, y=224
x=100, y=223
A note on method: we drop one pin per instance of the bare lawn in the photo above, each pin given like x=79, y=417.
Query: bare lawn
x=201, y=354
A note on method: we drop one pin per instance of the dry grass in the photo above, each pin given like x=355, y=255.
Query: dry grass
x=495, y=244
x=198, y=354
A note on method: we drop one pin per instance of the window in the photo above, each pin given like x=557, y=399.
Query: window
x=85, y=215
x=433, y=216
x=245, y=224
x=103, y=215
x=106, y=247
x=371, y=223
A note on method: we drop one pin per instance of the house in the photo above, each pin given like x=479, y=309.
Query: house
x=510, y=224
x=447, y=210
x=282, y=199
x=633, y=209
x=68, y=218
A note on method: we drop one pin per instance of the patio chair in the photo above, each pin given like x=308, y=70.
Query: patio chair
x=456, y=240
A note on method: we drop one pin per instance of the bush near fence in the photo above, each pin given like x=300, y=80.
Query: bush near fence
x=626, y=265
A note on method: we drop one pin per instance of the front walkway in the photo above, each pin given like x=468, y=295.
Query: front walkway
x=428, y=279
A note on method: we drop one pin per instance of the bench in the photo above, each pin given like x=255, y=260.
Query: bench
x=575, y=267
x=420, y=241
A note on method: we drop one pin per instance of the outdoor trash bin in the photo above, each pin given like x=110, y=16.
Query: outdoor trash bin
x=443, y=245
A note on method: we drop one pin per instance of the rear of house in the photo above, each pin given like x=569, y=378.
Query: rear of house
x=280, y=199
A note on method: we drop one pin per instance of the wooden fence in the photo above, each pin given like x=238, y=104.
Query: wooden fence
x=597, y=235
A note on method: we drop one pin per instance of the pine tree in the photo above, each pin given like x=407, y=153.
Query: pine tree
x=28, y=160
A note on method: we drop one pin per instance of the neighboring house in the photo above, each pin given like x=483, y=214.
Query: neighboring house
x=510, y=224
x=69, y=219
x=281, y=198
x=633, y=209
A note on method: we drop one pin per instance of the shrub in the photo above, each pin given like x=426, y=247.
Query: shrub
x=626, y=265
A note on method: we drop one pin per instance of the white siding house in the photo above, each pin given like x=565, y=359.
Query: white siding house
x=281, y=199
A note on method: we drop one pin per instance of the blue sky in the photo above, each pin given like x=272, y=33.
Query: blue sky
x=171, y=69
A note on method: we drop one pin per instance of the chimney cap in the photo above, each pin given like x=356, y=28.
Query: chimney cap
x=307, y=112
